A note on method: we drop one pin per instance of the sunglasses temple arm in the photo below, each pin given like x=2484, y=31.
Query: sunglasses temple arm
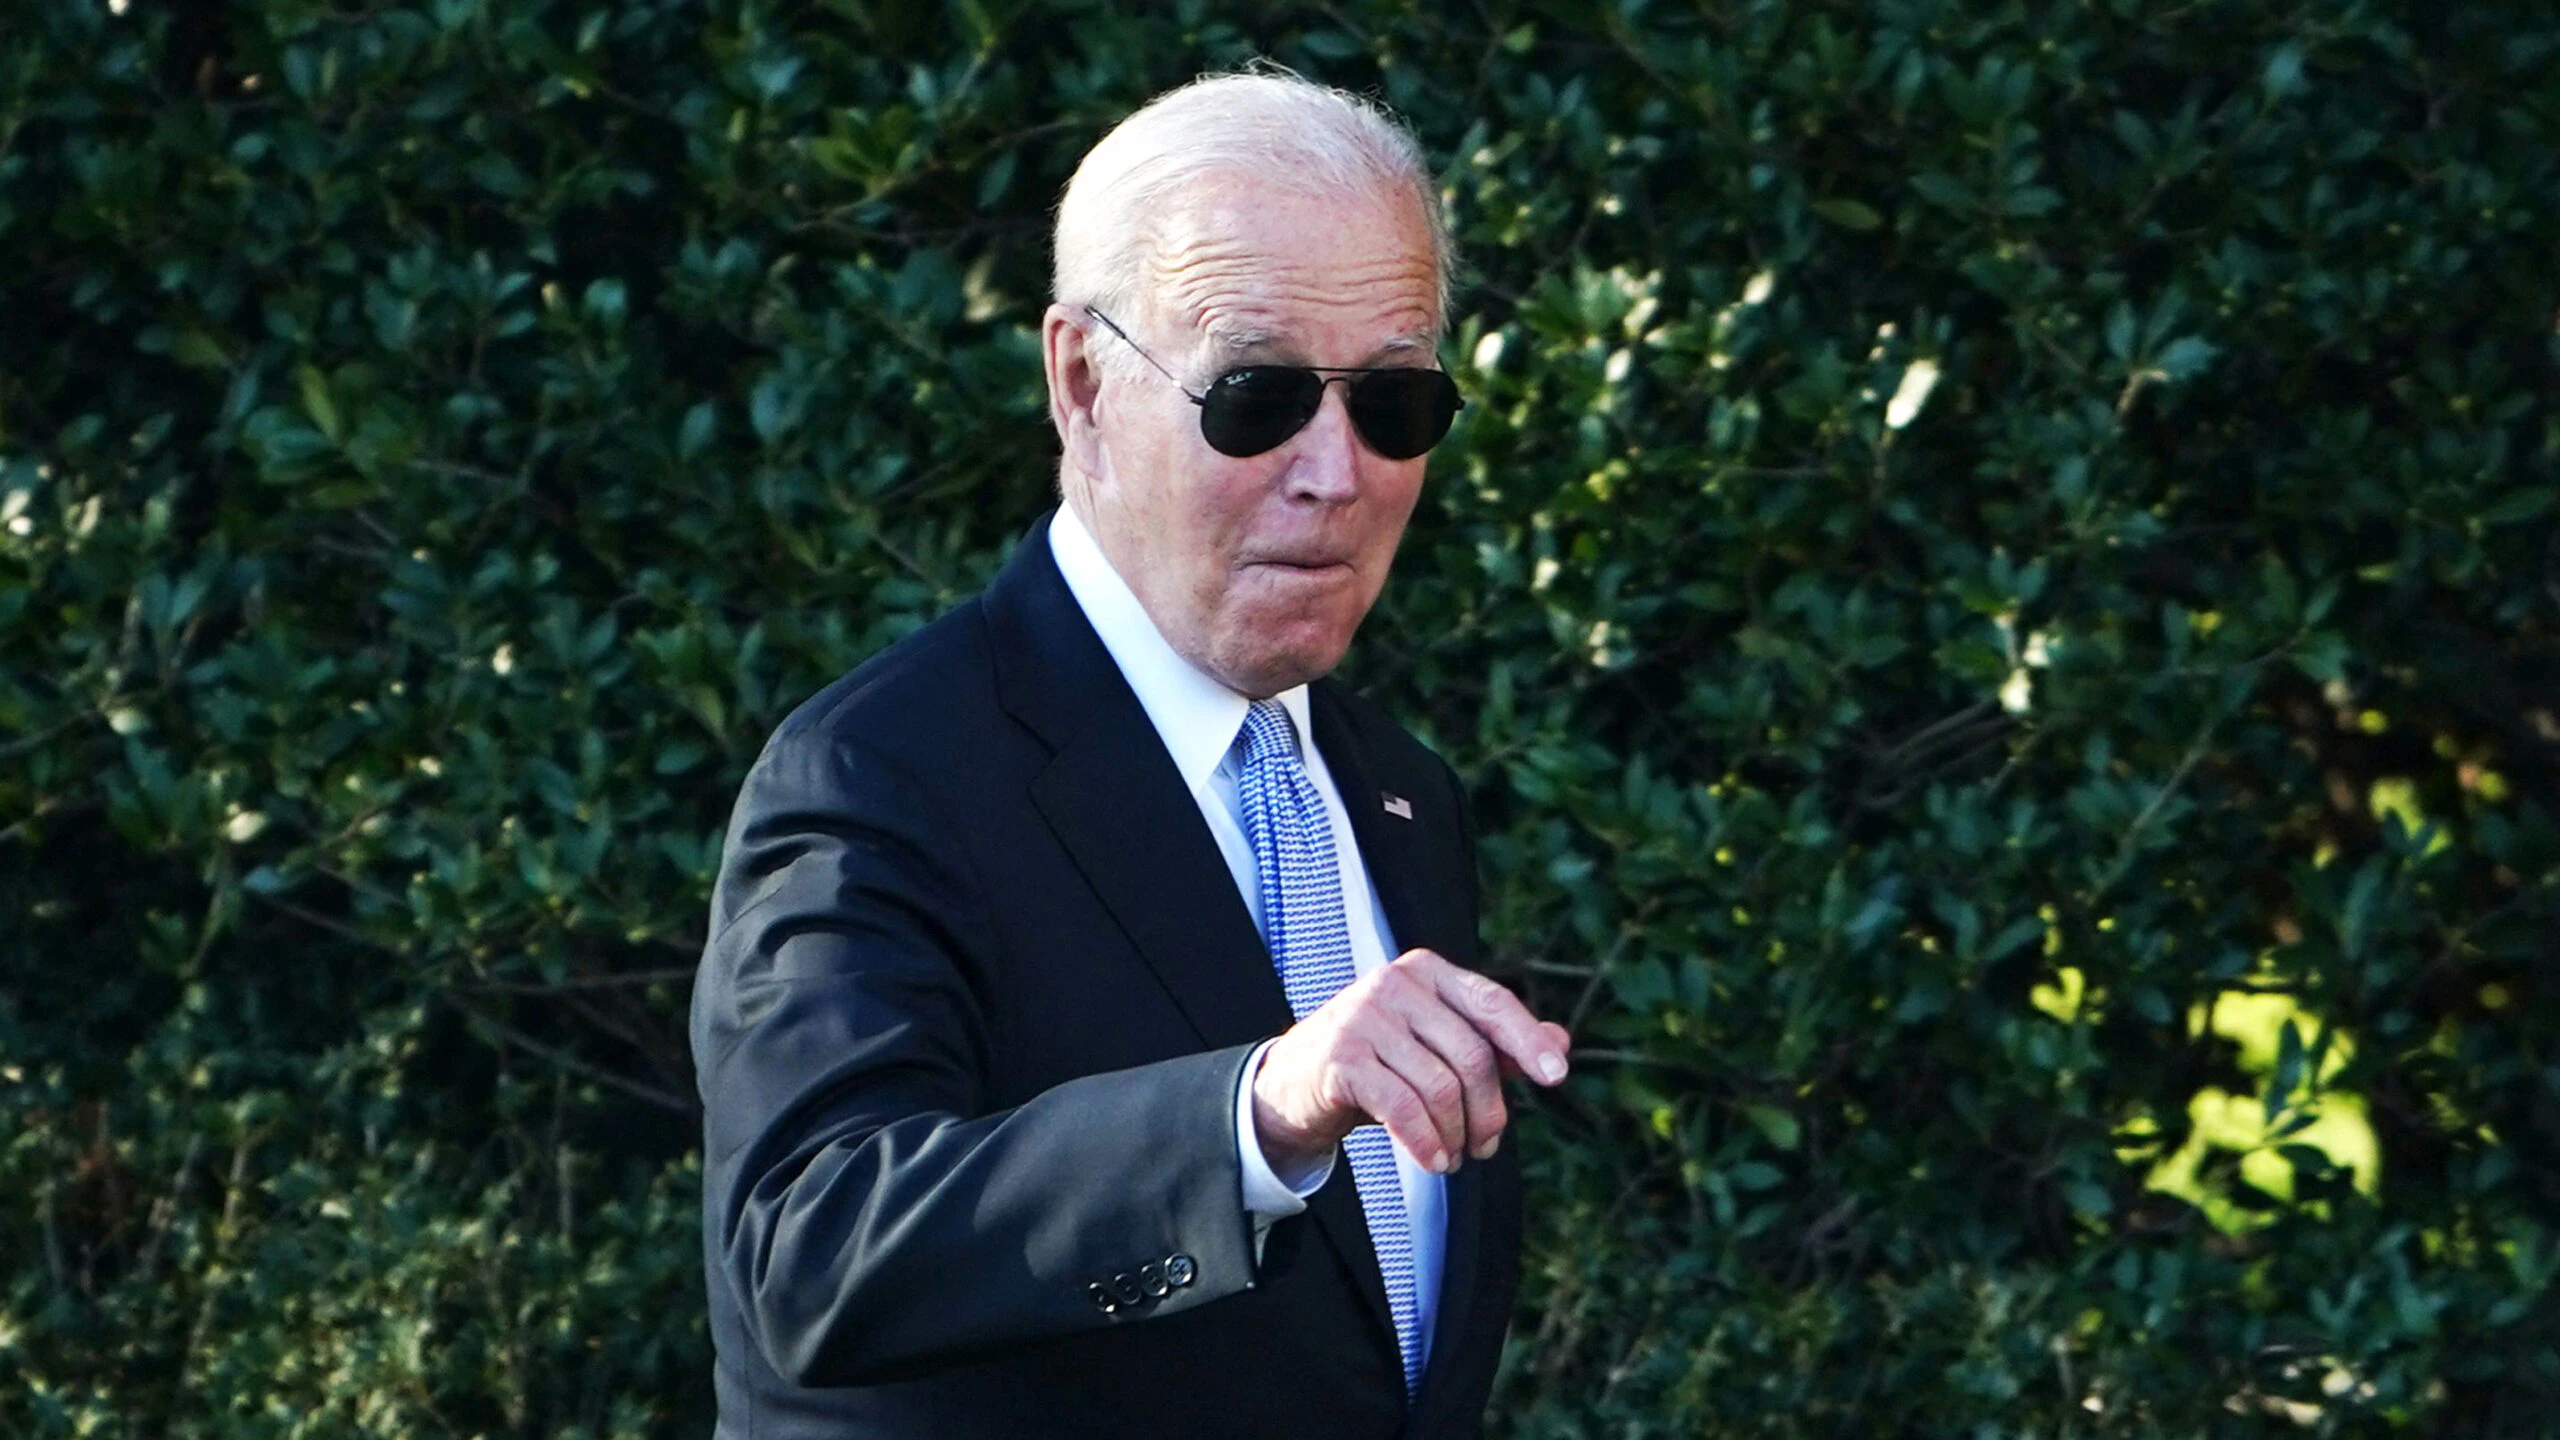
x=1143, y=355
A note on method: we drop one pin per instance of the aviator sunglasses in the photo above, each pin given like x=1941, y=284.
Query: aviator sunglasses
x=1400, y=411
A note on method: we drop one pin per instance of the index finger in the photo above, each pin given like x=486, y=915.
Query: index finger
x=1557, y=1034
x=1498, y=1014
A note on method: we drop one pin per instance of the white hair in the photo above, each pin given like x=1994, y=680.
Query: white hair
x=1270, y=123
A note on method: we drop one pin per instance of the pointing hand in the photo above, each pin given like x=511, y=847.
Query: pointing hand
x=1419, y=1046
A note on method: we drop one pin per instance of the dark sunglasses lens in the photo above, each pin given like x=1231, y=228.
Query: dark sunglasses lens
x=1255, y=409
x=1402, y=413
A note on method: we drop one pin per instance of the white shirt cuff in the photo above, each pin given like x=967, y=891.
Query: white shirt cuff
x=1268, y=1194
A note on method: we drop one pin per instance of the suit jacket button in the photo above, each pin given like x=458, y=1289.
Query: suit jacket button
x=1153, y=1277
x=1180, y=1270
x=1125, y=1286
x=1101, y=1298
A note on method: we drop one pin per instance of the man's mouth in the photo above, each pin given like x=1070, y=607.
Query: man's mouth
x=1300, y=562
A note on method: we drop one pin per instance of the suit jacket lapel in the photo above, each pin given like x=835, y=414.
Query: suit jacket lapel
x=1392, y=847
x=1115, y=801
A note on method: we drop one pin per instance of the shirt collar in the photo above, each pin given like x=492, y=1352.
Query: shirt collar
x=1196, y=714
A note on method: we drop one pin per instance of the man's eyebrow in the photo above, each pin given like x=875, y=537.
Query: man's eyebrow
x=1230, y=337
x=1237, y=339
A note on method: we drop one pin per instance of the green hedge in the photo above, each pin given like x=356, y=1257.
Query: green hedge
x=1996, y=594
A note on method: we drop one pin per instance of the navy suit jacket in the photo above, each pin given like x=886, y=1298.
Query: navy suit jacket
x=977, y=995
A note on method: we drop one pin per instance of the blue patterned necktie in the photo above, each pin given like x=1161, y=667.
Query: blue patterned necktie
x=1302, y=921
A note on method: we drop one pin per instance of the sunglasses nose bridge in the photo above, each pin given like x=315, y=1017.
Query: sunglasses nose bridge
x=1325, y=461
x=1343, y=437
x=1311, y=414
x=1325, y=392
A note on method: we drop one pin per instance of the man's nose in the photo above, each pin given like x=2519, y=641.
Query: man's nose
x=1326, y=462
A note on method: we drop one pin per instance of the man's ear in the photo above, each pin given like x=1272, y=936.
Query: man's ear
x=1075, y=387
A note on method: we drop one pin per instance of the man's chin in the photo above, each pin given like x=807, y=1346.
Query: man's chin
x=1262, y=671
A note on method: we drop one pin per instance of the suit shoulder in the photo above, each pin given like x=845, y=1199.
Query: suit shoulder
x=936, y=685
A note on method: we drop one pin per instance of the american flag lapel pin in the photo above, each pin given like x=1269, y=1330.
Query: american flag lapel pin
x=1397, y=805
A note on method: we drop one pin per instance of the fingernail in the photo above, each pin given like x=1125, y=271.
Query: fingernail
x=1485, y=1150
x=1551, y=1067
x=1439, y=1162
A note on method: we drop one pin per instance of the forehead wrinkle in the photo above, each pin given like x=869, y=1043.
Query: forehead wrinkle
x=1235, y=311
x=1206, y=269
x=1242, y=295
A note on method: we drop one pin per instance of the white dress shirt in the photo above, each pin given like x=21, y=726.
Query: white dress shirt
x=1198, y=717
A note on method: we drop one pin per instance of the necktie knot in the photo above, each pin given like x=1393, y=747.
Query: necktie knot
x=1266, y=734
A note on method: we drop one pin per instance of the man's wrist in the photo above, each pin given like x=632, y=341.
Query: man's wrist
x=1273, y=1187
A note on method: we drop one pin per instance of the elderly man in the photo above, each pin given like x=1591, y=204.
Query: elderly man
x=1086, y=1037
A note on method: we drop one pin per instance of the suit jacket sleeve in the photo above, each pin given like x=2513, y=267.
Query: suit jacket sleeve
x=873, y=1217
